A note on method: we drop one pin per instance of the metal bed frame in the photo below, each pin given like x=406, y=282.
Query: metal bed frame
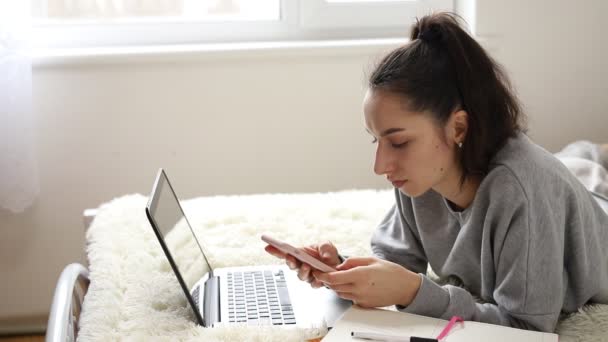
x=72, y=286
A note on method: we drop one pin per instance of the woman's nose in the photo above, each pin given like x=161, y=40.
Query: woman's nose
x=382, y=164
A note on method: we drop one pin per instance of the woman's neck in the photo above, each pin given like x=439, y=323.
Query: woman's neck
x=459, y=196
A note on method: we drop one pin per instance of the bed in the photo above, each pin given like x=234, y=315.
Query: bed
x=133, y=294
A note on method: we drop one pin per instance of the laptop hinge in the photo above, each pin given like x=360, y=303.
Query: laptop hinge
x=211, y=306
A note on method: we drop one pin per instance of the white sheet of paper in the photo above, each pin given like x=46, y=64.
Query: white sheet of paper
x=403, y=324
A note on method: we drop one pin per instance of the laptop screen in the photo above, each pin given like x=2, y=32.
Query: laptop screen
x=172, y=227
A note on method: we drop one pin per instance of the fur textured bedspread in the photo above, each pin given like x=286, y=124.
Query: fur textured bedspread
x=134, y=295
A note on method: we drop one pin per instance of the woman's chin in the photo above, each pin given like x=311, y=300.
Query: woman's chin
x=407, y=190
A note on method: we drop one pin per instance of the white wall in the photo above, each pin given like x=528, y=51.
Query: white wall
x=278, y=121
x=241, y=122
x=556, y=52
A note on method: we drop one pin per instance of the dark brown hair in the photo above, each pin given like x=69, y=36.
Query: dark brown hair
x=443, y=69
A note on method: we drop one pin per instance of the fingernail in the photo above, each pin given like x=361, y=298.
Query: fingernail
x=326, y=255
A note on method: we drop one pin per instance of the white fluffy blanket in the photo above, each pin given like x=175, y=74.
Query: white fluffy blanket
x=134, y=295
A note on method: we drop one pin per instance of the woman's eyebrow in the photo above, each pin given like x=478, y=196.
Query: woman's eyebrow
x=388, y=131
x=391, y=131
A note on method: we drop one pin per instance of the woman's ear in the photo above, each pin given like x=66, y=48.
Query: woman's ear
x=459, y=126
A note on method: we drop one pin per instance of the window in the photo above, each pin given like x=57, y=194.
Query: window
x=88, y=23
x=111, y=10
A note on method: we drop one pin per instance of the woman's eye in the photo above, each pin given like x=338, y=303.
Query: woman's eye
x=399, y=145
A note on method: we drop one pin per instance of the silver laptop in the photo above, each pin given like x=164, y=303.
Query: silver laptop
x=253, y=295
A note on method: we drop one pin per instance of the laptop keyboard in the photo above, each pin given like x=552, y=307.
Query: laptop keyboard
x=195, y=294
x=259, y=297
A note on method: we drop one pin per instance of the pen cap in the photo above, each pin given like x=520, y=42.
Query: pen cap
x=422, y=339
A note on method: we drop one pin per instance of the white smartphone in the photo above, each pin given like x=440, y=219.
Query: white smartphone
x=298, y=254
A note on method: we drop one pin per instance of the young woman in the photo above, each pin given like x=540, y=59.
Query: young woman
x=515, y=234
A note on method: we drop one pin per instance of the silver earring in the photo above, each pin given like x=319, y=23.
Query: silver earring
x=460, y=144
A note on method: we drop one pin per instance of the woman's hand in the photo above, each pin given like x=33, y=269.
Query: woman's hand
x=326, y=252
x=372, y=282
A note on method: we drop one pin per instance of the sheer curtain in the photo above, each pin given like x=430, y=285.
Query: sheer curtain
x=19, y=185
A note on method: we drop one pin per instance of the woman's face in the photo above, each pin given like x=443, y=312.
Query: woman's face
x=412, y=150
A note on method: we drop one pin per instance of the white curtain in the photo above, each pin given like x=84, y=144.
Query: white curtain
x=19, y=184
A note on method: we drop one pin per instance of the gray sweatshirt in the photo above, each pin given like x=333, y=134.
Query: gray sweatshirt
x=532, y=244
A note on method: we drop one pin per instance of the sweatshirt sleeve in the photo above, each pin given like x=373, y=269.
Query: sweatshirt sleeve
x=394, y=240
x=528, y=267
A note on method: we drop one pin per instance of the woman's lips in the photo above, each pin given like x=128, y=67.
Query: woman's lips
x=398, y=184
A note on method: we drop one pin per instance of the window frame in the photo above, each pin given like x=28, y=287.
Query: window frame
x=346, y=14
x=299, y=20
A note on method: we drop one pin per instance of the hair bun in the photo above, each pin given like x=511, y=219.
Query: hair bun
x=430, y=33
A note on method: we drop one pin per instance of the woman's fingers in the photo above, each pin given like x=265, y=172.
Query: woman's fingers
x=316, y=284
x=312, y=250
x=326, y=252
x=274, y=252
x=340, y=277
x=354, y=262
x=343, y=288
x=292, y=262
x=329, y=253
x=304, y=273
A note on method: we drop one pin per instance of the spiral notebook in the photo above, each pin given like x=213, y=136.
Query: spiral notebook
x=394, y=323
